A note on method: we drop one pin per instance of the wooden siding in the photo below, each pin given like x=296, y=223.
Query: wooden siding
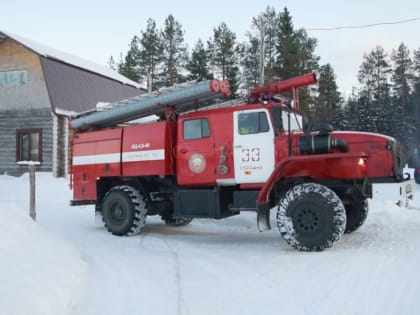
x=10, y=121
x=33, y=93
x=60, y=146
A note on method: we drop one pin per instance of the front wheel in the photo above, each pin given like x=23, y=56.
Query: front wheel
x=311, y=217
x=124, y=211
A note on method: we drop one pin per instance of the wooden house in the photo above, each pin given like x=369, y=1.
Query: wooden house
x=40, y=87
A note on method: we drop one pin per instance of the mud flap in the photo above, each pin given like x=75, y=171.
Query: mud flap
x=263, y=217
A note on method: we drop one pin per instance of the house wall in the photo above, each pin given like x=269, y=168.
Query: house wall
x=11, y=120
x=22, y=83
x=60, y=145
x=24, y=104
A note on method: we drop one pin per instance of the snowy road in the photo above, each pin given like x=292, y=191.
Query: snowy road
x=228, y=267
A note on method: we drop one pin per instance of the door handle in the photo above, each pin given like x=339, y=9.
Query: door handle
x=183, y=150
x=237, y=146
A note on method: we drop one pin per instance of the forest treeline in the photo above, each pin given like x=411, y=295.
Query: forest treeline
x=387, y=99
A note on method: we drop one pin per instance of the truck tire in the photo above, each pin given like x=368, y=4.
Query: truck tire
x=311, y=217
x=124, y=211
x=356, y=213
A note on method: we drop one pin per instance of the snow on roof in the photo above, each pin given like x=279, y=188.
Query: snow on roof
x=70, y=59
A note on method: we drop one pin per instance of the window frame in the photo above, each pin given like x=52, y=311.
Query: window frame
x=204, y=131
x=262, y=127
x=28, y=131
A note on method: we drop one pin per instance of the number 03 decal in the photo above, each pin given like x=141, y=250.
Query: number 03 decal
x=251, y=155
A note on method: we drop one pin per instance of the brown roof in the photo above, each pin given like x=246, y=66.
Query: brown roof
x=78, y=90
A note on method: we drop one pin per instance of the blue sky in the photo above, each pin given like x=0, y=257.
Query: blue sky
x=97, y=29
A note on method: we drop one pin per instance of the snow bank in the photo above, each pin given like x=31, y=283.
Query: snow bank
x=222, y=267
x=41, y=274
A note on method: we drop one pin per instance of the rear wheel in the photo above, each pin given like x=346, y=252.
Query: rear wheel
x=124, y=211
x=311, y=217
x=357, y=210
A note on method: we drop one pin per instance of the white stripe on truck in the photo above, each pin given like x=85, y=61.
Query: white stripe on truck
x=135, y=156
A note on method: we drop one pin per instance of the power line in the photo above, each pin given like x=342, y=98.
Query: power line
x=362, y=26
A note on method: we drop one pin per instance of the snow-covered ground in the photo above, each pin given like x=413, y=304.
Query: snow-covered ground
x=64, y=263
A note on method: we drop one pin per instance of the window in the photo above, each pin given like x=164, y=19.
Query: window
x=196, y=128
x=255, y=122
x=281, y=120
x=13, y=78
x=296, y=121
x=28, y=145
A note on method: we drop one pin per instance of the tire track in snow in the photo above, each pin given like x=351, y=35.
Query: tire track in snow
x=180, y=301
x=181, y=305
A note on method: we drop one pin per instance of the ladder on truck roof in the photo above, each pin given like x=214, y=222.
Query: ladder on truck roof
x=182, y=97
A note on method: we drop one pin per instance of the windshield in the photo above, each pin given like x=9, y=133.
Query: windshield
x=295, y=121
x=281, y=119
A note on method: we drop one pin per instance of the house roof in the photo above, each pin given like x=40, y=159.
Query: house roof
x=52, y=53
x=76, y=85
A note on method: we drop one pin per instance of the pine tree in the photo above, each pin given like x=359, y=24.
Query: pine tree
x=355, y=113
x=415, y=99
x=347, y=117
x=224, y=54
x=295, y=55
x=112, y=64
x=307, y=60
x=120, y=64
x=374, y=75
x=328, y=100
x=416, y=65
x=130, y=65
x=295, y=49
x=405, y=116
x=271, y=21
x=261, y=44
x=174, y=51
x=151, y=54
x=198, y=66
x=401, y=75
x=416, y=87
x=254, y=53
x=367, y=113
x=287, y=51
x=250, y=62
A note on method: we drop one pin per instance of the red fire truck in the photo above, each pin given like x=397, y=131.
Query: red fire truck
x=214, y=161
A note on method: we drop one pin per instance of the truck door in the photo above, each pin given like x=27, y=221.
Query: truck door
x=195, y=155
x=253, y=139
